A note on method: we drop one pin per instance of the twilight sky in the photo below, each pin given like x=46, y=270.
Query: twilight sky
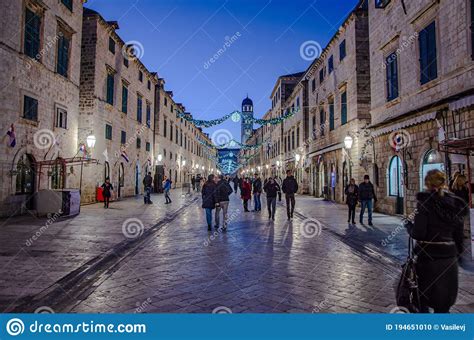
x=180, y=37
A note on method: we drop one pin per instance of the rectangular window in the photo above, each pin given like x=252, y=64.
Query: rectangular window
x=110, y=89
x=314, y=126
x=292, y=140
x=148, y=85
x=176, y=134
x=140, y=76
x=381, y=3
x=313, y=85
x=322, y=121
x=112, y=45
x=139, y=143
x=108, y=131
x=180, y=137
x=342, y=50
x=61, y=118
x=147, y=146
x=68, y=4
x=343, y=108
x=124, y=98
x=331, y=114
x=321, y=75
x=125, y=62
x=62, y=63
x=391, y=63
x=171, y=108
x=165, y=127
x=428, y=60
x=171, y=131
x=330, y=64
x=148, y=114
x=123, y=137
x=139, y=108
x=166, y=101
x=297, y=136
x=30, y=108
x=32, y=34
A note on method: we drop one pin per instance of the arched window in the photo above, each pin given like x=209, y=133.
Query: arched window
x=106, y=170
x=25, y=175
x=431, y=160
x=395, y=177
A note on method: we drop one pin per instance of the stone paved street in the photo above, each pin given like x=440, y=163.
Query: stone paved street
x=87, y=264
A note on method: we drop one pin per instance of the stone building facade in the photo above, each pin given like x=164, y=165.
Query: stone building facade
x=40, y=49
x=117, y=94
x=338, y=104
x=180, y=147
x=422, y=84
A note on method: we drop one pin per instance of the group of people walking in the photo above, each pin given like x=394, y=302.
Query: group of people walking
x=363, y=193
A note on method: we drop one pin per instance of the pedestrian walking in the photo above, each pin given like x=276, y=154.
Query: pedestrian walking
x=438, y=230
x=366, y=195
x=209, y=199
x=223, y=191
x=289, y=188
x=107, y=192
x=193, y=182
x=246, y=193
x=257, y=192
x=352, y=196
x=460, y=187
x=148, y=184
x=271, y=189
x=280, y=183
x=236, y=183
x=198, y=183
x=166, y=189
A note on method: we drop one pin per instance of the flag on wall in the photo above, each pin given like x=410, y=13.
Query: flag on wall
x=125, y=156
x=82, y=148
x=11, y=134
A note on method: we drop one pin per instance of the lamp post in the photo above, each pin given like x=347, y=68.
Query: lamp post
x=90, y=140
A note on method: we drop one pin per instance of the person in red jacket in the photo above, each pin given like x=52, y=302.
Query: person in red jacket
x=246, y=193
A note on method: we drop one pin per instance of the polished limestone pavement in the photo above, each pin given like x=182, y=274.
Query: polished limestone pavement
x=160, y=259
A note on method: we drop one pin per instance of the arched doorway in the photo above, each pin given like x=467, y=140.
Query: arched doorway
x=25, y=178
x=395, y=182
x=431, y=160
x=322, y=181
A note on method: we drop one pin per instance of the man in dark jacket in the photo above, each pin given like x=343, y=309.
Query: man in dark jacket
x=209, y=199
x=223, y=190
x=366, y=195
x=289, y=188
x=257, y=191
x=271, y=189
x=148, y=183
x=236, y=181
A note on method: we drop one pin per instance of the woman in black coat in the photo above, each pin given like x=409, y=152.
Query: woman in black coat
x=352, y=196
x=438, y=230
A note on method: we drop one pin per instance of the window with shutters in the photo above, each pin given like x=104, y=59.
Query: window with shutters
x=110, y=88
x=298, y=137
x=112, y=45
x=139, y=143
x=140, y=76
x=322, y=121
x=321, y=75
x=391, y=63
x=147, y=146
x=292, y=140
x=330, y=64
x=61, y=118
x=313, y=84
x=331, y=113
x=108, y=131
x=123, y=137
x=63, y=53
x=176, y=134
x=139, y=108
x=342, y=50
x=32, y=34
x=148, y=85
x=148, y=114
x=428, y=59
x=343, y=108
x=30, y=108
x=124, y=98
x=165, y=127
x=171, y=131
